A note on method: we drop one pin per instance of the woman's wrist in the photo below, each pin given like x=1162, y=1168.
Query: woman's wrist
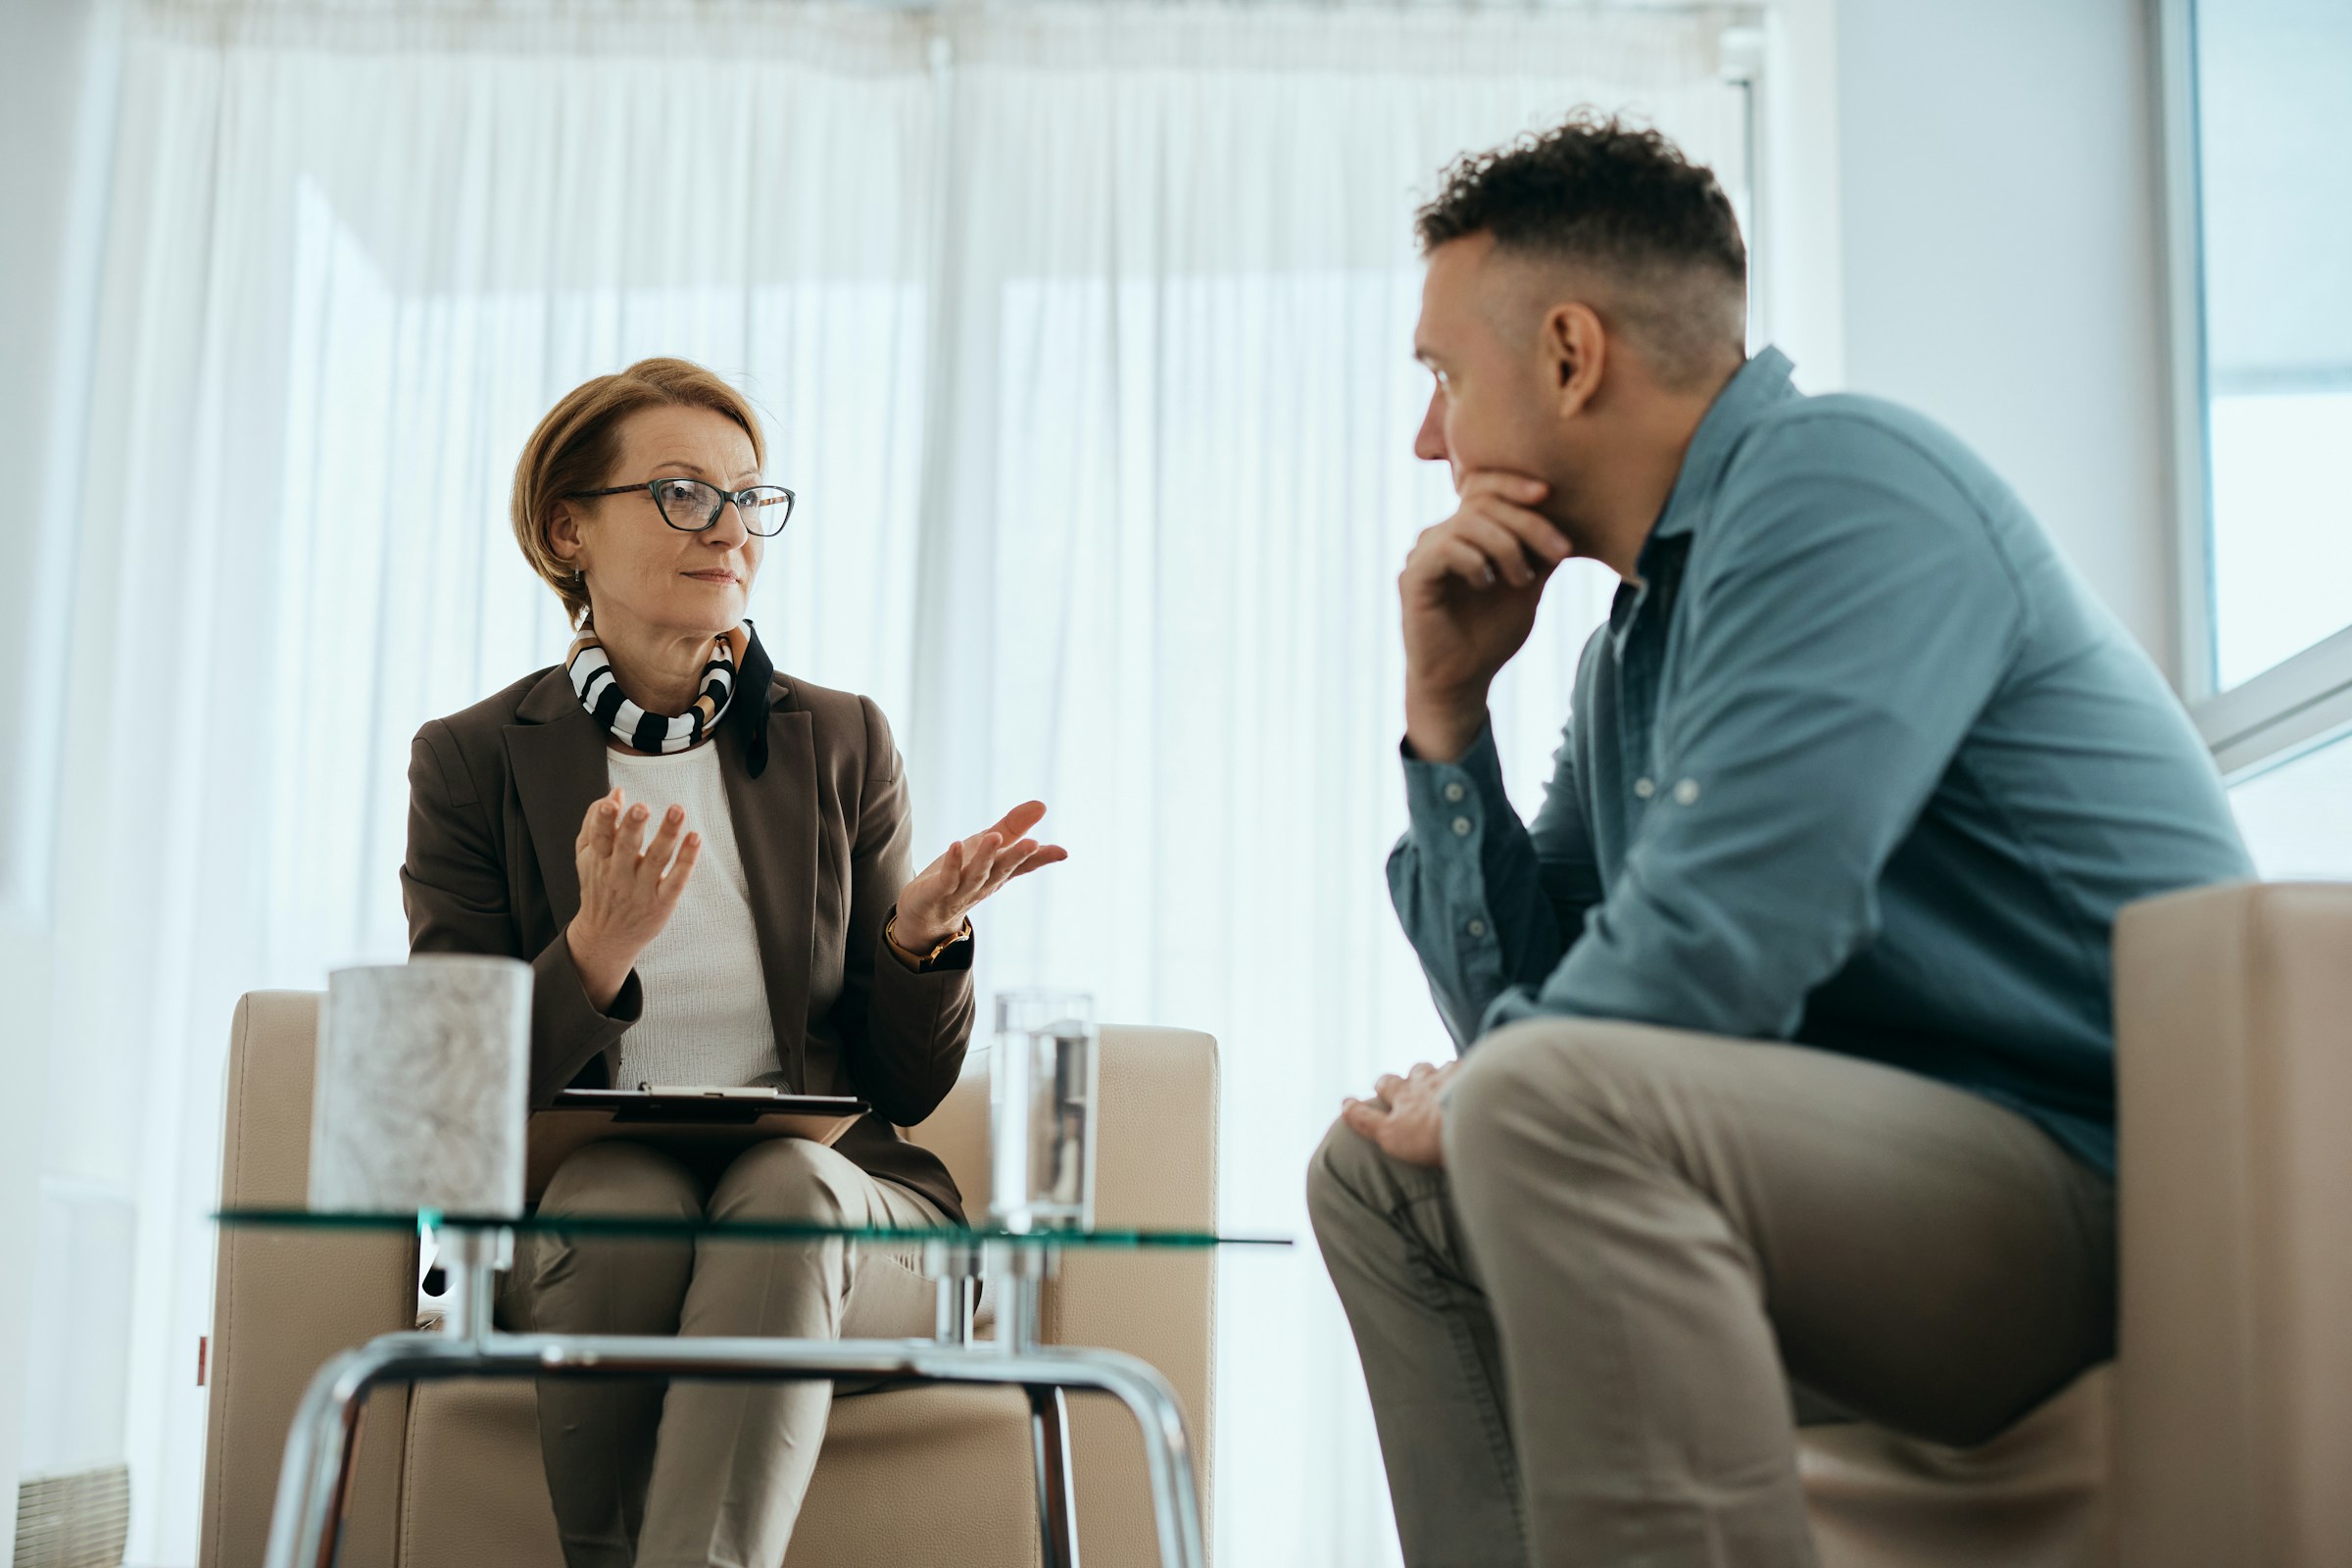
x=602, y=973
x=917, y=935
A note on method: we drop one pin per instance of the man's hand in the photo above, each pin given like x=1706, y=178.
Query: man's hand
x=1405, y=1120
x=1470, y=589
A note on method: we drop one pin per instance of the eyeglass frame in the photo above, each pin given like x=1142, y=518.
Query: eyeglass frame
x=725, y=498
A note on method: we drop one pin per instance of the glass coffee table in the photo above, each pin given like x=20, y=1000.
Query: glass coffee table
x=315, y=1479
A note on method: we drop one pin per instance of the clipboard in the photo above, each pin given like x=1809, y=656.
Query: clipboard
x=704, y=1126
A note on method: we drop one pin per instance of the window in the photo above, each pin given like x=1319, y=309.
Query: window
x=2262, y=222
x=2294, y=819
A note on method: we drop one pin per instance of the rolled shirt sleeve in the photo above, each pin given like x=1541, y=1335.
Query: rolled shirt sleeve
x=1487, y=904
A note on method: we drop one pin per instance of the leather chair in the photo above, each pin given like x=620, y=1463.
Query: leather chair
x=2220, y=1436
x=449, y=1474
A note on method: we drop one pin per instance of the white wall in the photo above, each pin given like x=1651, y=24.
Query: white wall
x=2001, y=260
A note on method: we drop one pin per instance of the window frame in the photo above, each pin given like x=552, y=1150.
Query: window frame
x=2306, y=702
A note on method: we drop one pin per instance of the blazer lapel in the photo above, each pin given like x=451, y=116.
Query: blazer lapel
x=557, y=758
x=774, y=816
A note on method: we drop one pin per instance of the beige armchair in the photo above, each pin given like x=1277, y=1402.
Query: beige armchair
x=449, y=1474
x=2221, y=1435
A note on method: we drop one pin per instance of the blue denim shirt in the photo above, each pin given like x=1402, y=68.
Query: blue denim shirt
x=1857, y=762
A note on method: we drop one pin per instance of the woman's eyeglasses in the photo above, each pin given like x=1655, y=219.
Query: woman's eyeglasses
x=690, y=506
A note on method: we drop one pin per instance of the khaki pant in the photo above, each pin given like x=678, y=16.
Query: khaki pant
x=1587, y=1336
x=709, y=1475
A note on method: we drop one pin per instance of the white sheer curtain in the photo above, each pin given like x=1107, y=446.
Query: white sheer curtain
x=1084, y=335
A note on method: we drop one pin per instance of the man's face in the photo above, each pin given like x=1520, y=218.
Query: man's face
x=1492, y=408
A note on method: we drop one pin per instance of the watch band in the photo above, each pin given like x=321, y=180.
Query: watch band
x=890, y=934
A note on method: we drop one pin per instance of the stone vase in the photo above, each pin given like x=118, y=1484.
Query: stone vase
x=422, y=1086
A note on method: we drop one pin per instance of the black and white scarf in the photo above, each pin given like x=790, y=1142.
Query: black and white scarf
x=735, y=655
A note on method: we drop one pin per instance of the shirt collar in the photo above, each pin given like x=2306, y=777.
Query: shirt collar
x=1753, y=389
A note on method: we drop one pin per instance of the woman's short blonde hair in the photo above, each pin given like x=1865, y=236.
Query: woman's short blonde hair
x=577, y=444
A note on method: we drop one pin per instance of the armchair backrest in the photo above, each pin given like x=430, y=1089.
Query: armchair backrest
x=2233, y=1034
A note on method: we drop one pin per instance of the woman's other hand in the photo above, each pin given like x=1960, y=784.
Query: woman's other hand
x=628, y=889
x=932, y=907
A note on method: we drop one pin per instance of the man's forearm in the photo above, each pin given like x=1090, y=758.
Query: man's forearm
x=1439, y=725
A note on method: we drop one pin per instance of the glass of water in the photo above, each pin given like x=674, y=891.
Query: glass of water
x=1040, y=1106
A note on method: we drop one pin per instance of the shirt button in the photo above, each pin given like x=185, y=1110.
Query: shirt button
x=1644, y=788
x=1685, y=792
x=1461, y=827
x=1454, y=792
x=1477, y=928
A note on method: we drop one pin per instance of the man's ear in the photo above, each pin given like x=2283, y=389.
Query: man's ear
x=1578, y=347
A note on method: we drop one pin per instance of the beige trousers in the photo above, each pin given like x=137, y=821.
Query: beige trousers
x=704, y=1475
x=1585, y=1338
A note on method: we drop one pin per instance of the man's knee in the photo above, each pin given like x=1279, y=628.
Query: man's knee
x=615, y=1176
x=1567, y=1082
x=1343, y=1178
x=790, y=1179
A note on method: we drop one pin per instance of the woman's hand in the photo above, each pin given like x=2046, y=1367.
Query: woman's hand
x=932, y=906
x=628, y=889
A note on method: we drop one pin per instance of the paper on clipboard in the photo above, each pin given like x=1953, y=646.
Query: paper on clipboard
x=687, y=1119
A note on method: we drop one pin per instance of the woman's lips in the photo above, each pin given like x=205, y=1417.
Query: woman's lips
x=712, y=576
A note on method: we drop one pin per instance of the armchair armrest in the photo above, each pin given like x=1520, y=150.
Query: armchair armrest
x=284, y=1302
x=2234, y=1063
x=1155, y=1166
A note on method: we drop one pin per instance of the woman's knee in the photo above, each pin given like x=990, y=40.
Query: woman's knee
x=615, y=1176
x=792, y=1179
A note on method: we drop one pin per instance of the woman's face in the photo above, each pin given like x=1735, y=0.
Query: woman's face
x=642, y=573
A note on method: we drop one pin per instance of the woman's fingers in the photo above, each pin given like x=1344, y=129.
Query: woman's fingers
x=665, y=844
x=1043, y=854
x=674, y=881
x=980, y=855
x=628, y=840
x=596, y=827
x=1016, y=823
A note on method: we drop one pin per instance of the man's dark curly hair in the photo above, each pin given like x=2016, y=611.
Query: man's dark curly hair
x=1625, y=203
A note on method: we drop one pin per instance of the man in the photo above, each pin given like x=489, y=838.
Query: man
x=1786, y=1048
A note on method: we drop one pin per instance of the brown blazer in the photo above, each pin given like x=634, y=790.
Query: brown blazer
x=496, y=796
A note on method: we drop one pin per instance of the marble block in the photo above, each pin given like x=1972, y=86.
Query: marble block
x=421, y=1087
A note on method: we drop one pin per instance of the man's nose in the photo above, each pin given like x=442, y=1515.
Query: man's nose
x=1429, y=445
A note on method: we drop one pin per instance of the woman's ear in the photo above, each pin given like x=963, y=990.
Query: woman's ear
x=564, y=537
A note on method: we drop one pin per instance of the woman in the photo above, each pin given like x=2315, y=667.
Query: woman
x=706, y=865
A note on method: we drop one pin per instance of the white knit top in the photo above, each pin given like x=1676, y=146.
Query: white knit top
x=705, y=1020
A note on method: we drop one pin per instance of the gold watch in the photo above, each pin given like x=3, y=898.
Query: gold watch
x=890, y=934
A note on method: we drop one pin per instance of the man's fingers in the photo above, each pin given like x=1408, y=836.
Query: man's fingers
x=1455, y=557
x=1500, y=547
x=1542, y=537
x=1418, y=1071
x=1524, y=488
x=1387, y=1085
x=1363, y=1117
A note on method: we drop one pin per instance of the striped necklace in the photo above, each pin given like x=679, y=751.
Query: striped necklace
x=658, y=734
